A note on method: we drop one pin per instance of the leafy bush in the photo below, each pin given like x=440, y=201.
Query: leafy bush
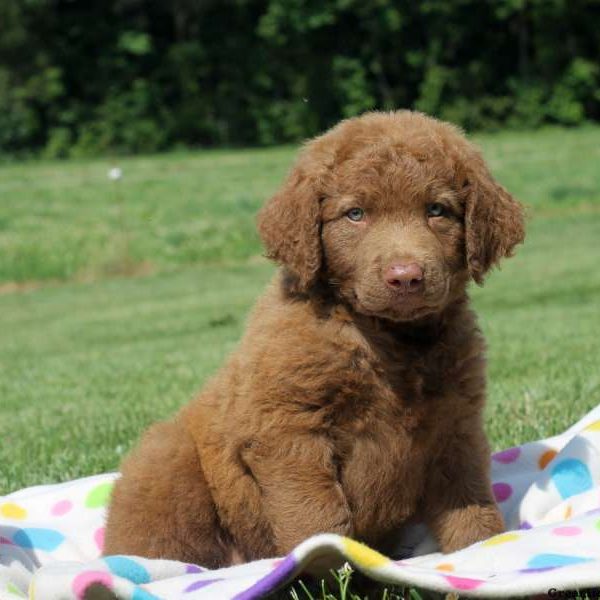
x=82, y=78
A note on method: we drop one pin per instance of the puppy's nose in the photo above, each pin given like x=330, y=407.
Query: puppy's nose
x=404, y=277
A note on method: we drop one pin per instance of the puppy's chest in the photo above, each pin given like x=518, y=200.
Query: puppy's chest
x=406, y=388
x=391, y=435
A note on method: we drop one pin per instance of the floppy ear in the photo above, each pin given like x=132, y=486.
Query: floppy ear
x=290, y=226
x=494, y=222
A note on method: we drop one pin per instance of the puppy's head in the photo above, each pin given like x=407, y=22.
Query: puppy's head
x=394, y=211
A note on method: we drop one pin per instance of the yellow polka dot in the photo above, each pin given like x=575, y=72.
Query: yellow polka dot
x=10, y=510
x=595, y=426
x=445, y=567
x=545, y=458
x=568, y=512
x=363, y=555
x=503, y=538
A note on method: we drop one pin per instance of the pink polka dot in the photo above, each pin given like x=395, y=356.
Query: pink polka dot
x=502, y=491
x=567, y=531
x=61, y=508
x=83, y=581
x=99, y=538
x=463, y=583
x=5, y=541
x=507, y=456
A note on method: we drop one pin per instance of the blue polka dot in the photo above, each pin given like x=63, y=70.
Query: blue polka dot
x=552, y=561
x=38, y=539
x=571, y=477
x=127, y=568
x=140, y=594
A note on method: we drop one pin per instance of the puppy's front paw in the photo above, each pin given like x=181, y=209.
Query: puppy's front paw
x=469, y=525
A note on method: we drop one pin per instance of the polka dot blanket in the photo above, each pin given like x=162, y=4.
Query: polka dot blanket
x=549, y=491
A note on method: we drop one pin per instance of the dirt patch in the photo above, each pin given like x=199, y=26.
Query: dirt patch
x=15, y=287
x=123, y=269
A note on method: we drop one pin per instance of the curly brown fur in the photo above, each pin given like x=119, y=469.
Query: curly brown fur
x=354, y=402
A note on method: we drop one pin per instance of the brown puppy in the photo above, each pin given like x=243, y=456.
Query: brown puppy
x=354, y=402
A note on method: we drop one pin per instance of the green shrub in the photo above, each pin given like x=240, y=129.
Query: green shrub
x=149, y=76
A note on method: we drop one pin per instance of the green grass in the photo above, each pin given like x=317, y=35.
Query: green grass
x=87, y=360
x=60, y=221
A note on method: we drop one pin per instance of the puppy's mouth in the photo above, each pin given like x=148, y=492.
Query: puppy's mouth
x=400, y=304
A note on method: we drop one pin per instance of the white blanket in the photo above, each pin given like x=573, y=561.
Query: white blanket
x=549, y=492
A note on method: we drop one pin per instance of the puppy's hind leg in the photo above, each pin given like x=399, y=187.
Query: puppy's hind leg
x=161, y=506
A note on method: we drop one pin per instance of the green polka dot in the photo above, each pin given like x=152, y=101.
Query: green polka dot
x=99, y=496
x=12, y=589
x=598, y=524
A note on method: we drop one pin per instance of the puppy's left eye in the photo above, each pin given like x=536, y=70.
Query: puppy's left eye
x=436, y=210
x=356, y=214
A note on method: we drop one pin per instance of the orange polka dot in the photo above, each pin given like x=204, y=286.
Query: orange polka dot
x=568, y=512
x=546, y=457
x=445, y=567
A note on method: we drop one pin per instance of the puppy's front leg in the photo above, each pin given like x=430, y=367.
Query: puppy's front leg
x=460, y=508
x=301, y=495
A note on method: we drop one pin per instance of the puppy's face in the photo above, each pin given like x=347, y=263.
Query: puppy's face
x=395, y=212
x=393, y=235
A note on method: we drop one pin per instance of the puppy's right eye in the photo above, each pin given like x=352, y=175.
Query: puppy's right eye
x=436, y=210
x=356, y=214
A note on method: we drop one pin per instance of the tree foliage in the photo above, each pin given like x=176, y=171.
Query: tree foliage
x=80, y=77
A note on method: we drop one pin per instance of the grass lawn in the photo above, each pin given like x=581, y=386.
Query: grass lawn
x=117, y=300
